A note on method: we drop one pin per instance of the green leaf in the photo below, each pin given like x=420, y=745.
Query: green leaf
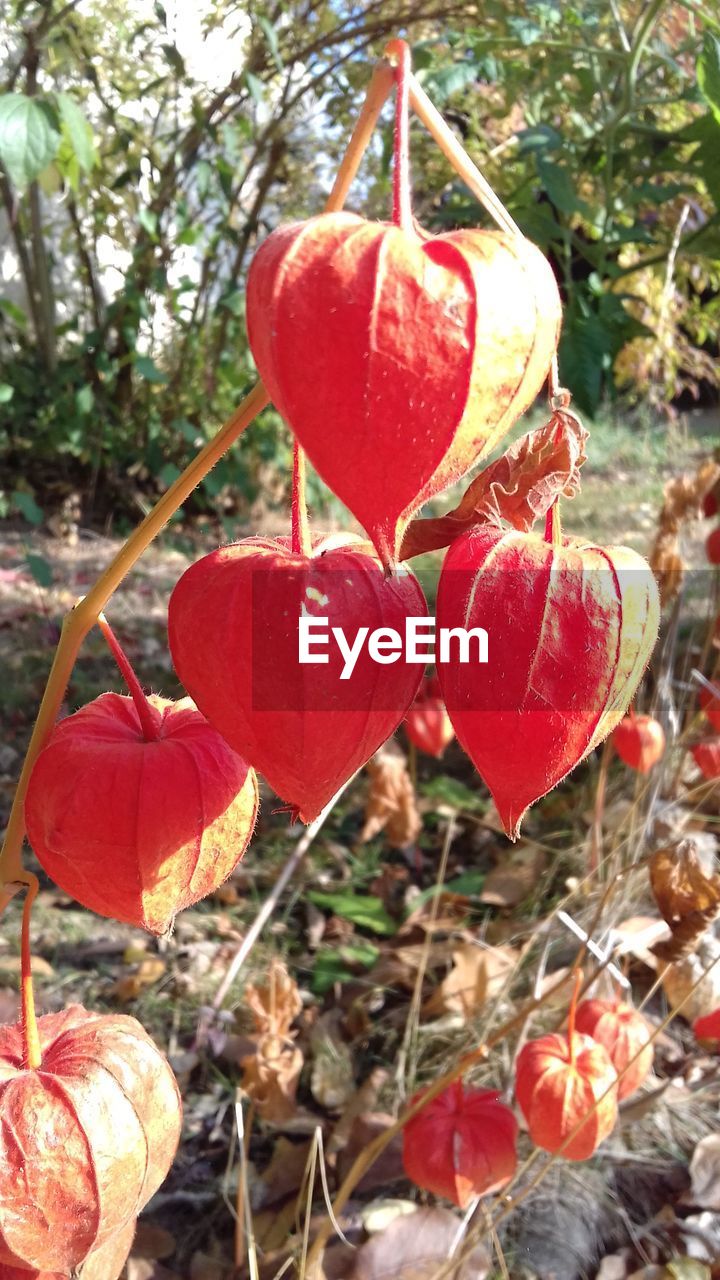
x=29, y=137
x=148, y=221
x=708, y=73
x=538, y=137
x=451, y=793
x=6, y=392
x=453, y=79
x=149, y=370
x=362, y=910
x=559, y=186
x=335, y=964
x=688, y=1269
x=84, y=400
x=175, y=59
x=271, y=37
x=255, y=86
x=27, y=506
x=40, y=569
x=78, y=132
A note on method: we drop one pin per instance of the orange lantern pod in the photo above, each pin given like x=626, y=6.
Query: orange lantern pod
x=639, y=742
x=138, y=807
x=561, y=1079
x=461, y=1144
x=624, y=1033
x=427, y=723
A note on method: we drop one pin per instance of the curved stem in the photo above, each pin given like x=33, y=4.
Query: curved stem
x=148, y=723
x=31, y=1037
x=301, y=544
x=398, y=52
x=571, y=1017
x=83, y=617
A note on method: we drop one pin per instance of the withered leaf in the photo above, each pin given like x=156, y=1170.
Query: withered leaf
x=512, y=881
x=276, y=1004
x=270, y=1077
x=520, y=487
x=416, y=1246
x=705, y=1173
x=687, y=897
x=391, y=803
x=478, y=974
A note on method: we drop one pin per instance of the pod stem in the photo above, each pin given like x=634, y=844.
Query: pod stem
x=147, y=720
x=571, y=1016
x=31, y=1037
x=301, y=544
x=398, y=51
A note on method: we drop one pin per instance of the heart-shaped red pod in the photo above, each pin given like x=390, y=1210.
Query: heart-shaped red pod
x=461, y=1144
x=708, y=1026
x=398, y=359
x=711, y=706
x=707, y=758
x=86, y=1138
x=639, y=742
x=712, y=546
x=136, y=823
x=234, y=622
x=559, y=1080
x=570, y=628
x=427, y=723
x=624, y=1033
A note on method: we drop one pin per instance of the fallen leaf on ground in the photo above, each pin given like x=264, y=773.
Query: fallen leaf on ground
x=276, y=1004
x=147, y=973
x=705, y=1173
x=508, y=884
x=153, y=1242
x=478, y=974
x=416, y=1246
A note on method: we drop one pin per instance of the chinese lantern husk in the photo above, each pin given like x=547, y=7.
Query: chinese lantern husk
x=398, y=360
x=85, y=1140
x=639, y=742
x=623, y=1032
x=556, y=1088
x=461, y=1145
x=570, y=631
x=134, y=829
x=233, y=628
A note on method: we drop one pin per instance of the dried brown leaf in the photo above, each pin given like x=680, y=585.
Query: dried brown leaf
x=416, y=1246
x=705, y=1173
x=519, y=487
x=270, y=1077
x=478, y=974
x=391, y=804
x=687, y=897
x=508, y=884
x=276, y=1004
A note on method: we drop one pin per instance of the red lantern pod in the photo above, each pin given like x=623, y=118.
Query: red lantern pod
x=708, y=1027
x=712, y=546
x=234, y=625
x=707, y=758
x=570, y=628
x=710, y=504
x=639, y=742
x=624, y=1033
x=86, y=1137
x=398, y=358
x=461, y=1145
x=559, y=1080
x=105, y=1263
x=137, y=823
x=710, y=704
x=427, y=723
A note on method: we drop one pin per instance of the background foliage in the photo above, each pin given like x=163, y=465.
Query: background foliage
x=144, y=150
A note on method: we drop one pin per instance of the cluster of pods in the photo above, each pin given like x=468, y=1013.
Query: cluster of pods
x=462, y=1143
x=398, y=360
